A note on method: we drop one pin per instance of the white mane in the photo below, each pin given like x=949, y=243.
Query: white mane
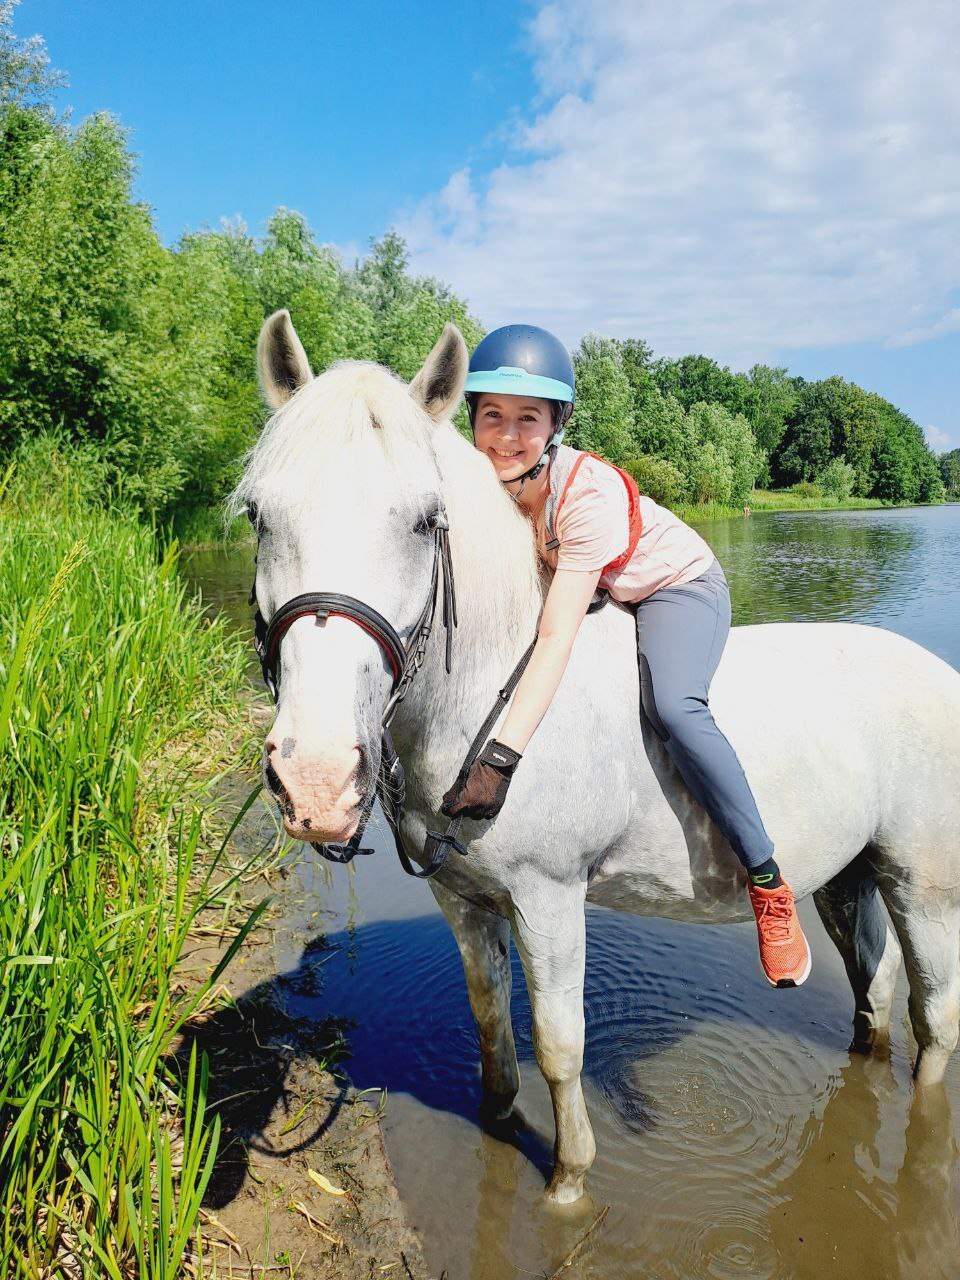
x=364, y=418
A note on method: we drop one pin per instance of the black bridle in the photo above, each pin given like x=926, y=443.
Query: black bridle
x=405, y=661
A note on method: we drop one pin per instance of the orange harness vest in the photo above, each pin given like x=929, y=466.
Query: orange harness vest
x=635, y=523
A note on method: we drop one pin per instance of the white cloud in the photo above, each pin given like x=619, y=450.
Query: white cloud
x=939, y=441
x=949, y=323
x=735, y=178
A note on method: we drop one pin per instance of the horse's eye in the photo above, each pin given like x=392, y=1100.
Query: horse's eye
x=253, y=515
x=428, y=523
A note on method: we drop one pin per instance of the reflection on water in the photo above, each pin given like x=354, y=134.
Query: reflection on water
x=737, y=1136
x=898, y=569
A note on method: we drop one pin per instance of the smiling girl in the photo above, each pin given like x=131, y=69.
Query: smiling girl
x=594, y=529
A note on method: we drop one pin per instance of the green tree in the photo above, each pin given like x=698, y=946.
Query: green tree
x=603, y=421
x=950, y=474
x=658, y=478
x=723, y=437
x=710, y=477
x=837, y=479
x=698, y=379
x=770, y=406
x=662, y=429
x=857, y=432
x=26, y=77
x=332, y=318
x=78, y=305
x=806, y=446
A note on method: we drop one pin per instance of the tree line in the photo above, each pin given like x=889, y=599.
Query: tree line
x=144, y=353
x=693, y=431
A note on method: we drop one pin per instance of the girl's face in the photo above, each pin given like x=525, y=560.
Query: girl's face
x=512, y=431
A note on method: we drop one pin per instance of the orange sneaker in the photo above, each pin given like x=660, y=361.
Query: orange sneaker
x=784, y=953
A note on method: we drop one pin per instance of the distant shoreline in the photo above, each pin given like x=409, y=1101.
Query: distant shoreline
x=761, y=500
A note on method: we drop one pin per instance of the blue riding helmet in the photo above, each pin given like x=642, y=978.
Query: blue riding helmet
x=519, y=360
x=522, y=360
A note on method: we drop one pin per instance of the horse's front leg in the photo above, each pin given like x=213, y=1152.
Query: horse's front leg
x=550, y=932
x=484, y=942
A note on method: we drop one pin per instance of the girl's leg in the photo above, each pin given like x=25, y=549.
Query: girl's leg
x=681, y=632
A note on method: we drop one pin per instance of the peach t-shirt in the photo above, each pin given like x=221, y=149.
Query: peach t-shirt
x=592, y=526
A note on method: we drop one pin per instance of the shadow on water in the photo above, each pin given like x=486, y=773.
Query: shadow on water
x=389, y=998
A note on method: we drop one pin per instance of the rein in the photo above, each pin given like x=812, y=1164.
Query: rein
x=405, y=662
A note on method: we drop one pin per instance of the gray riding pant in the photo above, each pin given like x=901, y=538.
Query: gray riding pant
x=681, y=632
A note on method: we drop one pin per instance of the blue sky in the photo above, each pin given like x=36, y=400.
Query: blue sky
x=754, y=179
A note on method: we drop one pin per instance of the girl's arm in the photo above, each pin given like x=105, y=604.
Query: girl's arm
x=566, y=605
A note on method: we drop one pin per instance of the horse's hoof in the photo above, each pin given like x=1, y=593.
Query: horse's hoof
x=496, y=1108
x=873, y=1044
x=565, y=1190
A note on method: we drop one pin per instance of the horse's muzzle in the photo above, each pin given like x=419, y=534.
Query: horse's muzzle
x=319, y=801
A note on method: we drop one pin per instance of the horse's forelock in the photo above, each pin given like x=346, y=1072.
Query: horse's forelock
x=354, y=415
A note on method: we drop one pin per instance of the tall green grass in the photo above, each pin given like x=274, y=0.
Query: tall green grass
x=111, y=684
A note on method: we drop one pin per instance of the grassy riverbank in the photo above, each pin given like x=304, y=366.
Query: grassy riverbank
x=776, y=500
x=118, y=701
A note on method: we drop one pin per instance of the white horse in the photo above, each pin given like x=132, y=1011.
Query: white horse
x=850, y=735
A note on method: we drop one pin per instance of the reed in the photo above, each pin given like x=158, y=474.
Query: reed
x=111, y=682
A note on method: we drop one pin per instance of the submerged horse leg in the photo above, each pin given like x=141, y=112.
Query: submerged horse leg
x=484, y=942
x=927, y=921
x=550, y=933
x=852, y=913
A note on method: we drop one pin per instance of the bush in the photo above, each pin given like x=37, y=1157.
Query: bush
x=836, y=480
x=730, y=460
x=806, y=489
x=711, y=475
x=658, y=478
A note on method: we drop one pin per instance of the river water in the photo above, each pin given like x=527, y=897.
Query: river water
x=736, y=1135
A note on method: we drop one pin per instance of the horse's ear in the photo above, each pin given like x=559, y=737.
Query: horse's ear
x=439, y=384
x=282, y=364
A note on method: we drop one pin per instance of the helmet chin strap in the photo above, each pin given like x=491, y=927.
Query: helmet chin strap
x=555, y=441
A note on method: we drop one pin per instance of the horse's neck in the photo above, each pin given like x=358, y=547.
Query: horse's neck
x=498, y=605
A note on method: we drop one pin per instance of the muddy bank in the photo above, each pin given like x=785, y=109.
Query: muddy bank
x=302, y=1185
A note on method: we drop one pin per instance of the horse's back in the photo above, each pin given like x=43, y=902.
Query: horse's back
x=850, y=732
x=849, y=736
x=841, y=684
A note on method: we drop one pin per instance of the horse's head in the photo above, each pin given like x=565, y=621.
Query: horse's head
x=343, y=488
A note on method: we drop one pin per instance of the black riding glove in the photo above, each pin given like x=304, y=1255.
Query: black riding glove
x=482, y=793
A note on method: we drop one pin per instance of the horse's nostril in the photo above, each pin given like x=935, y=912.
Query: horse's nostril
x=272, y=780
x=361, y=774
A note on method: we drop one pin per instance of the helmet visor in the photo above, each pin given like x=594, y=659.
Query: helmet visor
x=518, y=382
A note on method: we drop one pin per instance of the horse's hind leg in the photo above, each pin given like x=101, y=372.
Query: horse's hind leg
x=550, y=933
x=852, y=914
x=927, y=921
x=484, y=942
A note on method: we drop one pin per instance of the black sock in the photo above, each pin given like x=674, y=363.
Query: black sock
x=766, y=876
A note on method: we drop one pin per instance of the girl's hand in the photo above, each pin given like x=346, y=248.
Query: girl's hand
x=485, y=789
